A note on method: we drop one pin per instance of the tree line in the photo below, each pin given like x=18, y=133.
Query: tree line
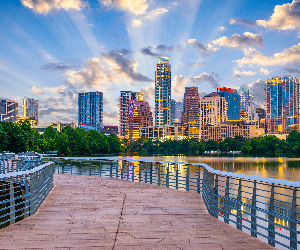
x=20, y=137
x=268, y=145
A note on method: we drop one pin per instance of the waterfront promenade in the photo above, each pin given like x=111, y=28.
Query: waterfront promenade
x=90, y=212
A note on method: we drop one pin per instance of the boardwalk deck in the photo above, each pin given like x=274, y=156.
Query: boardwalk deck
x=105, y=213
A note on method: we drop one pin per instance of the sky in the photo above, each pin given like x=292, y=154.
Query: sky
x=51, y=50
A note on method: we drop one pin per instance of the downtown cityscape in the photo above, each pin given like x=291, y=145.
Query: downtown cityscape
x=147, y=124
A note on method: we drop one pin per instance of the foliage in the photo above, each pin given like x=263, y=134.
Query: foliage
x=20, y=137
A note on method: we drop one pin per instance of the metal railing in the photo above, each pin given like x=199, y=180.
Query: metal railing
x=266, y=208
x=25, y=181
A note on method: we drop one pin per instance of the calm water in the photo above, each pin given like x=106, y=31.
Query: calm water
x=276, y=168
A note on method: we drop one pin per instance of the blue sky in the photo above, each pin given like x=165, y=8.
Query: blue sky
x=53, y=49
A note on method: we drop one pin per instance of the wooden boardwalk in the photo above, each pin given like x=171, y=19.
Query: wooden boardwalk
x=106, y=213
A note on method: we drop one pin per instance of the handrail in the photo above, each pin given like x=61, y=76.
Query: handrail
x=257, y=205
x=23, y=191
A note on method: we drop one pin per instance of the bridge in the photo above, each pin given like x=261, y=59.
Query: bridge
x=114, y=213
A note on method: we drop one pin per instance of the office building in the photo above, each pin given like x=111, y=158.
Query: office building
x=227, y=129
x=9, y=110
x=31, y=111
x=162, y=92
x=178, y=112
x=233, y=100
x=60, y=125
x=191, y=112
x=139, y=116
x=163, y=133
x=213, y=110
x=247, y=108
x=124, y=104
x=90, y=111
x=282, y=105
x=110, y=130
x=173, y=112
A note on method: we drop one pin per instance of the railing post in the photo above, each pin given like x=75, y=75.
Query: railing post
x=27, y=198
x=187, y=179
x=121, y=170
x=253, y=212
x=158, y=174
x=111, y=169
x=293, y=223
x=140, y=172
x=271, y=217
x=132, y=172
x=216, y=200
x=127, y=170
x=176, y=176
x=63, y=166
x=90, y=173
x=80, y=168
x=226, y=202
x=100, y=163
x=151, y=173
x=168, y=176
x=239, y=219
x=146, y=173
x=198, y=181
x=12, y=201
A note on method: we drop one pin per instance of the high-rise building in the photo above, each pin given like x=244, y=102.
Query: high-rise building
x=233, y=100
x=191, y=114
x=247, y=108
x=31, y=110
x=173, y=112
x=9, y=110
x=90, y=111
x=139, y=116
x=178, y=112
x=125, y=99
x=282, y=105
x=162, y=92
x=213, y=110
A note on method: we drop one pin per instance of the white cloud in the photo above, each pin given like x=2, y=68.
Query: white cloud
x=46, y=6
x=222, y=28
x=252, y=56
x=202, y=49
x=285, y=17
x=148, y=92
x=179, y=84
x=239, y=73
x=136, y=22
x=257, y=89
x=245, y=40
x=137, y=7
x=36, y=90
x=48, y=57
x=265, y=71
x=111, y=67
x=156, y=12
x=55, y=90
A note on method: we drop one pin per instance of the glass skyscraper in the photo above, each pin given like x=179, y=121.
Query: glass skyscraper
x=162, y=92
x=282, y=105
x=90, y=111
x=31, y=110
x=233, y=100
x=9, y=110
x=247, y=107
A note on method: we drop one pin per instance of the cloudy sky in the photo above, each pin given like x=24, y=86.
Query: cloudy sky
x=53, y=49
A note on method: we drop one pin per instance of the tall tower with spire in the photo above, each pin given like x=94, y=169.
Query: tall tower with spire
x=162, y=92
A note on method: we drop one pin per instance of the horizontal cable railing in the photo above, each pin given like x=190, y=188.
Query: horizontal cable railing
x=24, y=184
x=266, y=208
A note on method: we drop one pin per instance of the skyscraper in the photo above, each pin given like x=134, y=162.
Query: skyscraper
x=191, y=114
x=233, y=100
x=247, y=108
x=31, y=110
x=162, y=91
x=90, y=111
x=282, y=105
x=9, y=110
x=178, y=112
x=139, y=116
x=125, y=99
x=213, y=110
x=173, y=112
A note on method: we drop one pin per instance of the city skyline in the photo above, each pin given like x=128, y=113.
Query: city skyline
x=54, y=50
